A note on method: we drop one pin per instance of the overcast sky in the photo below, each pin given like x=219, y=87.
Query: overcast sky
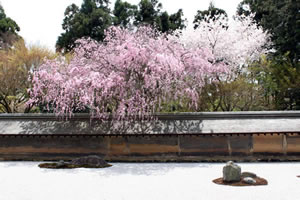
x=40, y=20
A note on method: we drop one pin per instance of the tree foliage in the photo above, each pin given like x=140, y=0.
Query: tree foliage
x=241, y=94
x=281, y=19
x=94, y=16
x=124, y=14
x=211, y=13
x=280, y=81
x=90, y=20
x=16, y=63
x=8, y=30
x=150, y=13
x=130, y=74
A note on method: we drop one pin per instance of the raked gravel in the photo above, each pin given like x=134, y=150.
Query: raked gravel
x=145, y=181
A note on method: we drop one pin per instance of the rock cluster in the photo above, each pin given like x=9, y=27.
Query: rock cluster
x=85, y=162
x=232, y=173
x=232, y=176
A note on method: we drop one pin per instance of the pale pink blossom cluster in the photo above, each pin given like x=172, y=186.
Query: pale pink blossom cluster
x=129, y=74
x=235, y=42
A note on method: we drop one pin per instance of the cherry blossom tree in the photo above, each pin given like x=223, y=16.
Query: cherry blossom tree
x=235, y=42
x=129, y=74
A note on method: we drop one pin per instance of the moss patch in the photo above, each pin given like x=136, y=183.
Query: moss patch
x=259, y=181
x=69, y=166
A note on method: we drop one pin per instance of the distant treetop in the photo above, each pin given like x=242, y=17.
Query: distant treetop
x=94, y=17
x=281, y=19
x=212, y=13
x=8, y=30
x=90, y=20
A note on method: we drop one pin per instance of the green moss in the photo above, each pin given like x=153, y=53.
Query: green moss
x=69, y=166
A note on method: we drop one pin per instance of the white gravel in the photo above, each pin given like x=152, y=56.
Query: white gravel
x=145, y=181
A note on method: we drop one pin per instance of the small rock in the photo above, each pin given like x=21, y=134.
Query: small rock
x=231, y=172
x=61, y=163
x=249, y=180
x=249, y=174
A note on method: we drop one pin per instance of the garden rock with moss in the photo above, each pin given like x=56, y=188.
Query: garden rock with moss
x=232, y=176
x=83, y=162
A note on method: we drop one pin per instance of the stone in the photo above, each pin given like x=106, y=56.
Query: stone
x=231, y=172
x=249, y=174
x=86, y=162
x=61, y=163
x=90, y=161
x=248, y=180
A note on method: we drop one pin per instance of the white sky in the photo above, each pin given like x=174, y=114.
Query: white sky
x=40, y=20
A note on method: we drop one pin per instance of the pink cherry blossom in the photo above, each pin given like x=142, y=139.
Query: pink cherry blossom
x=129, y=74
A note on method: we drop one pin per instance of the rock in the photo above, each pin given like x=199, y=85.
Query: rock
x=61, y=164
x=248, y=180
x=51, y=166
x=86, y=162
x=231, y=172
x=90, y=162
x=249, y=174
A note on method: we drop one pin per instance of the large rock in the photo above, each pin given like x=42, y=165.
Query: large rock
x=86, y=162
x=231, y=172
x=90, y=161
